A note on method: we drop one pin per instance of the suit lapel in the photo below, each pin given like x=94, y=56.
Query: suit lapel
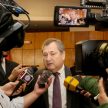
x=69, y=94
x=45, y=95
x=2, y=74
x=2, y=71
x=8, y=72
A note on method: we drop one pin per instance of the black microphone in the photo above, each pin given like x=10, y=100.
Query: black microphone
x=25, y=77
x=44, y=77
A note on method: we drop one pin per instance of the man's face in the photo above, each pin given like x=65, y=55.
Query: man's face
x=53, y=59
x=61, y=11
x=5, y=53
x=73, y=16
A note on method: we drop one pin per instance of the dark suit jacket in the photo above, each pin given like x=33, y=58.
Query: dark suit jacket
x=74, y=100
x=10, y=65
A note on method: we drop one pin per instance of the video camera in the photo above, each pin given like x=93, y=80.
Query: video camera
x=91, y=57
x=12, y=32
x=83, y=12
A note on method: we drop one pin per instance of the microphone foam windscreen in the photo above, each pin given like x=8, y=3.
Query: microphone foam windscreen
x=70, y=83
x=32, y=70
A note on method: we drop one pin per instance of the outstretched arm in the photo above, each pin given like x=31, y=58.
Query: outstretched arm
x=9, y=87
x=32, y=96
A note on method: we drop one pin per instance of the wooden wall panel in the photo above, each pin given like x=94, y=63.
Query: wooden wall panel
x=31, y=54
x=51, y=35
x=39, y=39
x=56, y=35
x=16, y=56
x=39, y=58
x=68, y=39
x=28, y=57
x=96, y=35
x=29, y=41
x=80, y=36
x=70, y=57
x=106, y=35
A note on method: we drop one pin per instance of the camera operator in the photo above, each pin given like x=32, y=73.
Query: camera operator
x=95, y=88
x=20, y=102
x=6, y=67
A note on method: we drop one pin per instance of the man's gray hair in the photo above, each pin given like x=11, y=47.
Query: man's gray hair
x=59, y=43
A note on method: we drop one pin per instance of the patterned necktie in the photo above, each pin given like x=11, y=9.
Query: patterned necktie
x=56, y=92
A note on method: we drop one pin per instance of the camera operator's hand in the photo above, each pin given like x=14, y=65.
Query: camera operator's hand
x=102, y=97
x=16, y=71
x=9, y=87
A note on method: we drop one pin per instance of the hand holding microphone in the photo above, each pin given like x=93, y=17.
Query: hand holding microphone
x=44, y=78
x=72, y=84
x=25, y=77
x=9, y=87
x=16, y=71
x=40, y=90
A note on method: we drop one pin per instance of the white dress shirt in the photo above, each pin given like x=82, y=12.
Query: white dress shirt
x=63, y=89
x=74, y=22
x=3, y=65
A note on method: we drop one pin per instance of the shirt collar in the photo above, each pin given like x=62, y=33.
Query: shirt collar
x=3, y=60
x=61, y=70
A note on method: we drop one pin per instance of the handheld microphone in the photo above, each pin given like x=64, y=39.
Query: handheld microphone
x=72, y=84
x=25, y=77
x=44, y=78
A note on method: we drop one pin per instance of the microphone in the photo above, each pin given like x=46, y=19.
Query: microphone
x=44, y=77
x=72, y=84
x=25, y=77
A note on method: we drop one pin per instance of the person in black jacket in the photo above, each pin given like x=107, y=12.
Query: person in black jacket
x=8, y=68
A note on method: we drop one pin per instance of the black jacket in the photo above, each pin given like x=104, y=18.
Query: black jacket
x=10, y=65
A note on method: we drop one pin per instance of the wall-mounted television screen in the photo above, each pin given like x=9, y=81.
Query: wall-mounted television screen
x=71, y=16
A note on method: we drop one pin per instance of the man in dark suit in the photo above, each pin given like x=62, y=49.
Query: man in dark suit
x=6, y=67
x=53, y=57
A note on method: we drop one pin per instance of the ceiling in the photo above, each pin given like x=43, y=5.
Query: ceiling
x=41, y=13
